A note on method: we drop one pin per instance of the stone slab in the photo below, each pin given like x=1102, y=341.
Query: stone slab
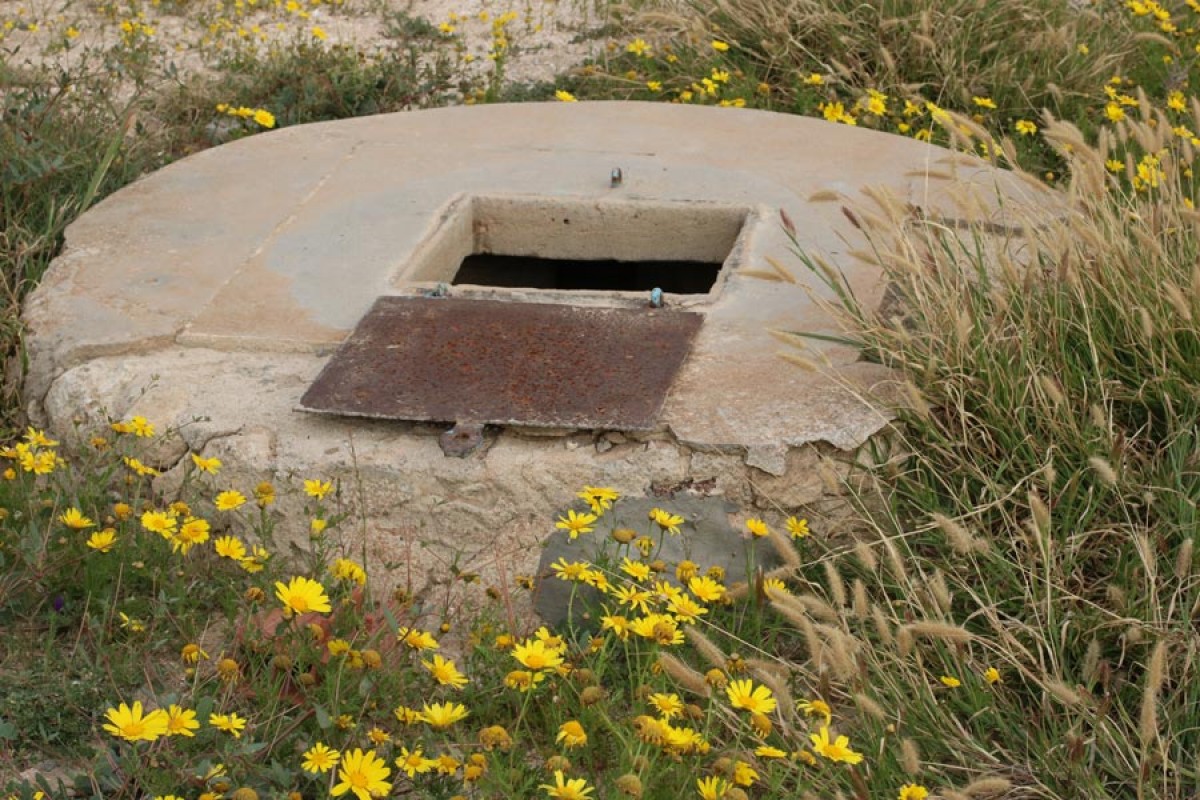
x=282, y=241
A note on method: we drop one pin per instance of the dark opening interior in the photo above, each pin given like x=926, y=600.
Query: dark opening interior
x=527, y=272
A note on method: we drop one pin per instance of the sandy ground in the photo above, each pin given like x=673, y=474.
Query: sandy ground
x=541, y=38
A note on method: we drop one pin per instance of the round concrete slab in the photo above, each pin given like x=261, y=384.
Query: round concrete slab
x=208, y=296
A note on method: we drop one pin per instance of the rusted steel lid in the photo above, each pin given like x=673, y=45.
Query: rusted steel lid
x=489, y=361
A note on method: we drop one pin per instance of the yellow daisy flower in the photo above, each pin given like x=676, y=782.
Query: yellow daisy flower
x=535, y=655
x=571, y=734
x=181, y=721
x=209, y=465
x=74, y=518
x=666, y=520
x=302, y=595
x=798, y=528
x=230, y=547
x=443, y=715
x=445, y=672
x=317, y=488
x=319, y=759
x=364, y=774
x=230, y=500
x=745, y=695
x=102, y=541
x=130, y=724
x=757, y=527
x=417, y=639
x=835, y=750
x=575, y=524
x=816, y=708
x=230, y=723
x=563, y=789
x=161, y=522
x=191, y=653
x=712, y=787
x=414, y=763
x=668, y=705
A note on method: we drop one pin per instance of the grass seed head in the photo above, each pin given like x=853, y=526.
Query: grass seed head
x=895, y=562
x=1091, y=662
x=910, y=756
x=682, y=674
x=883, y=628
x=866, y=555
x=960, y=539
x=941, y=631
x=705, y=646
x=987, y=787
x=1155, y=672
x=1062, y=692
x=1104, y=471
x=837, y=588
x=940, y=592
x=862, y=603
x=1183, y=559
x=869, y=706
x=1041, y=515
x=783, y=546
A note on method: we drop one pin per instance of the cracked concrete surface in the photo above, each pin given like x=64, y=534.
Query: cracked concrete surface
x=208, y=296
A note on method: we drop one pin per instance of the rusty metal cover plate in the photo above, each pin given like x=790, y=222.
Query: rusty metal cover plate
x=488, y=361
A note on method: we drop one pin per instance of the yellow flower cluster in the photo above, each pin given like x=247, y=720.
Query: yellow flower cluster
x=178, y=527
x=35, y=454
x=261, y=116
x=1149, y=8
x=500, y=43
x=132, y=29
x=344, y=569
x=643, y=606
x=657, y=609
x=133, y=725
x=137, y=426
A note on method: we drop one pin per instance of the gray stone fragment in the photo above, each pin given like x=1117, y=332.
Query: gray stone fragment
x=462, y=440
x=706, y=538
x=769, y=458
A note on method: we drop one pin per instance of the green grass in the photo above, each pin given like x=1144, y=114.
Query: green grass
x=1033, y=517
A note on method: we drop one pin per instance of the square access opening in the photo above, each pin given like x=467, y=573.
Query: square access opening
x=577, y=245
x=577, y=274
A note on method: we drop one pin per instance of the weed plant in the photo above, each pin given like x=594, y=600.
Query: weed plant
x=1047, y=499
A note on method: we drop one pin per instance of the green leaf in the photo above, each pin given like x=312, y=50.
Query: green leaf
x=204, y=709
